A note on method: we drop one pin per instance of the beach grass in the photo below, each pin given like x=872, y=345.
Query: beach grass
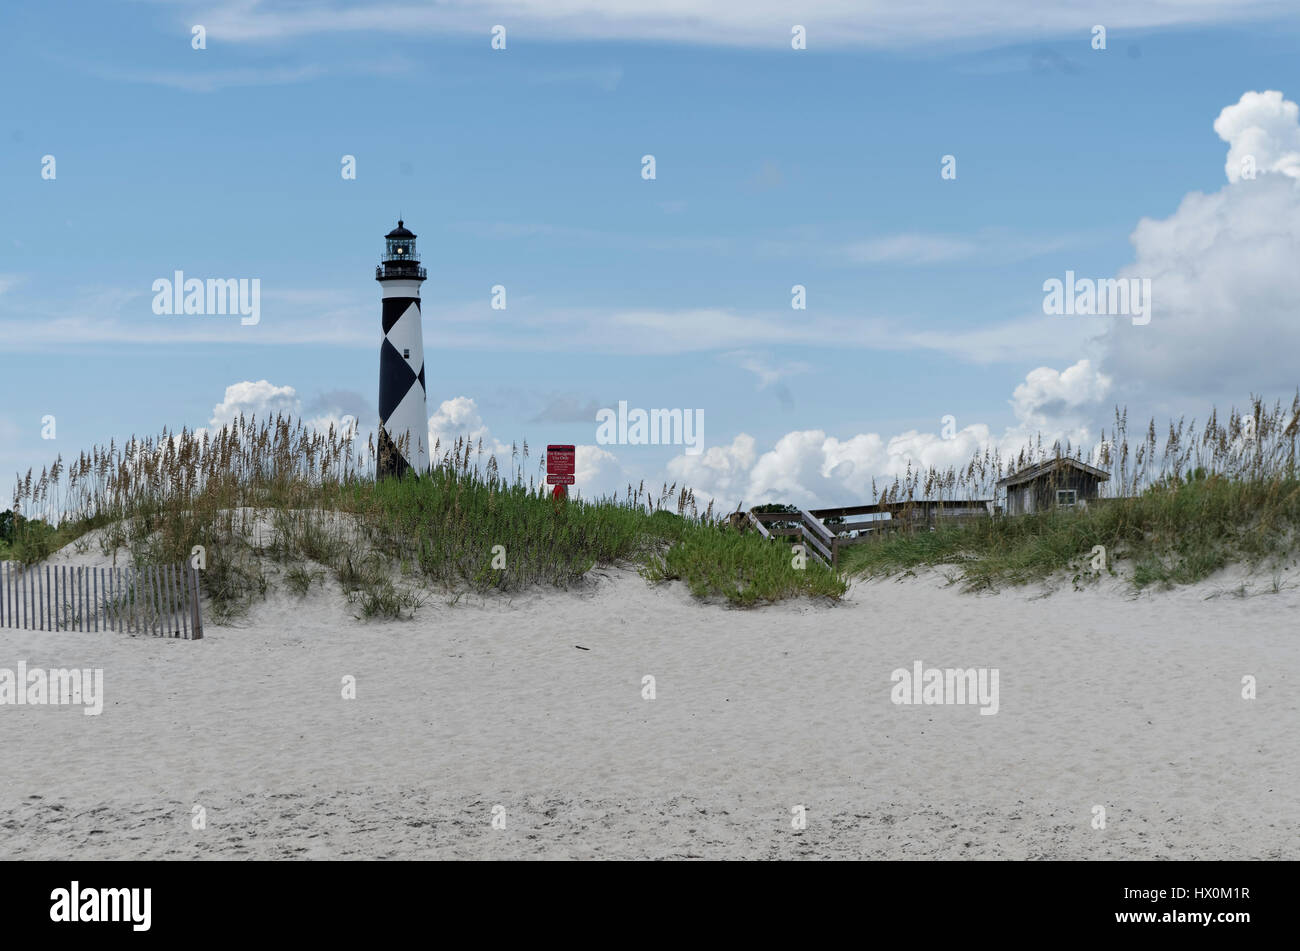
x=1162, y=539
x=743, y=568
x=1179, y=508
x=277, y=504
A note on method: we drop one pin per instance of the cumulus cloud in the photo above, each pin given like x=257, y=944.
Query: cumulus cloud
x=597, y=470
x=1047, y=398
x=1263, y=133
x=342, y=409
x=720, y=472
x=1225, y=289
x=813, y=469
x=262, y=399
x=459, y=418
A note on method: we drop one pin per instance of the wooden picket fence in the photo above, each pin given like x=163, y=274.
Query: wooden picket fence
x=162, y=600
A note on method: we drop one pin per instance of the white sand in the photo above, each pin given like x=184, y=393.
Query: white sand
x=1133, y=704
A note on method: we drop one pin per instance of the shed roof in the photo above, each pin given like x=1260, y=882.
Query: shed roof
x=1042, y=468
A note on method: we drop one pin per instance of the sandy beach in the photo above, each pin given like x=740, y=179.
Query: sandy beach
x=535, y=704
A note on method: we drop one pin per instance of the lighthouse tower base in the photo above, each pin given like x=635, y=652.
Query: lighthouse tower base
x=389, y=462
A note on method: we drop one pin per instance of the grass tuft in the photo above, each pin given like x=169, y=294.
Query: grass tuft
x=743, y=568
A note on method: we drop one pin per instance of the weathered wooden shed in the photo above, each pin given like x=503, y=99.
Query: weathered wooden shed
x=1047, y=485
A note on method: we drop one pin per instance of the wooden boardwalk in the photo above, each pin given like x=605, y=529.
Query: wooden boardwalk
x=870, y=522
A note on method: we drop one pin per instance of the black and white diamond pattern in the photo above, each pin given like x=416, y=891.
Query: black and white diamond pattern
x=403, y=414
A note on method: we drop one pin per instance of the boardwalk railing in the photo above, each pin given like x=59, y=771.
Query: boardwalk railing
x=823, y=541
x=163, y=600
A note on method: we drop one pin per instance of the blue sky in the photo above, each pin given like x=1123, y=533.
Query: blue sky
x=522, y=167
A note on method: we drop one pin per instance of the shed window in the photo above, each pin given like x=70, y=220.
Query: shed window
x=406, y=352
x=1066, y=496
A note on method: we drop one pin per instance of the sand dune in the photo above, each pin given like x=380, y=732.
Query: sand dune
x=1133, y=704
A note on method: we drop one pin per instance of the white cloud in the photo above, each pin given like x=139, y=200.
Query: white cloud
x=720, y=472
x=597, y=470
x=458, y=418
x=811, y=468
x=1225, y=289
x=758, y=23
x=803, y=466
x=814, y=469
x=318, y=318
x=1261, y=127
x=1047, y=397
x=454, y=419
x=93, y=315
x=262, y=399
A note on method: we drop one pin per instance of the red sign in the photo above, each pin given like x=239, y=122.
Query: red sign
x=559, y=465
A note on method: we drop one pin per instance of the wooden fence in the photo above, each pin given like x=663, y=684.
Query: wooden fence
x=162, y=600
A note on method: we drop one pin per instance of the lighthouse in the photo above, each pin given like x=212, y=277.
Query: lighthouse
x=403, y=416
